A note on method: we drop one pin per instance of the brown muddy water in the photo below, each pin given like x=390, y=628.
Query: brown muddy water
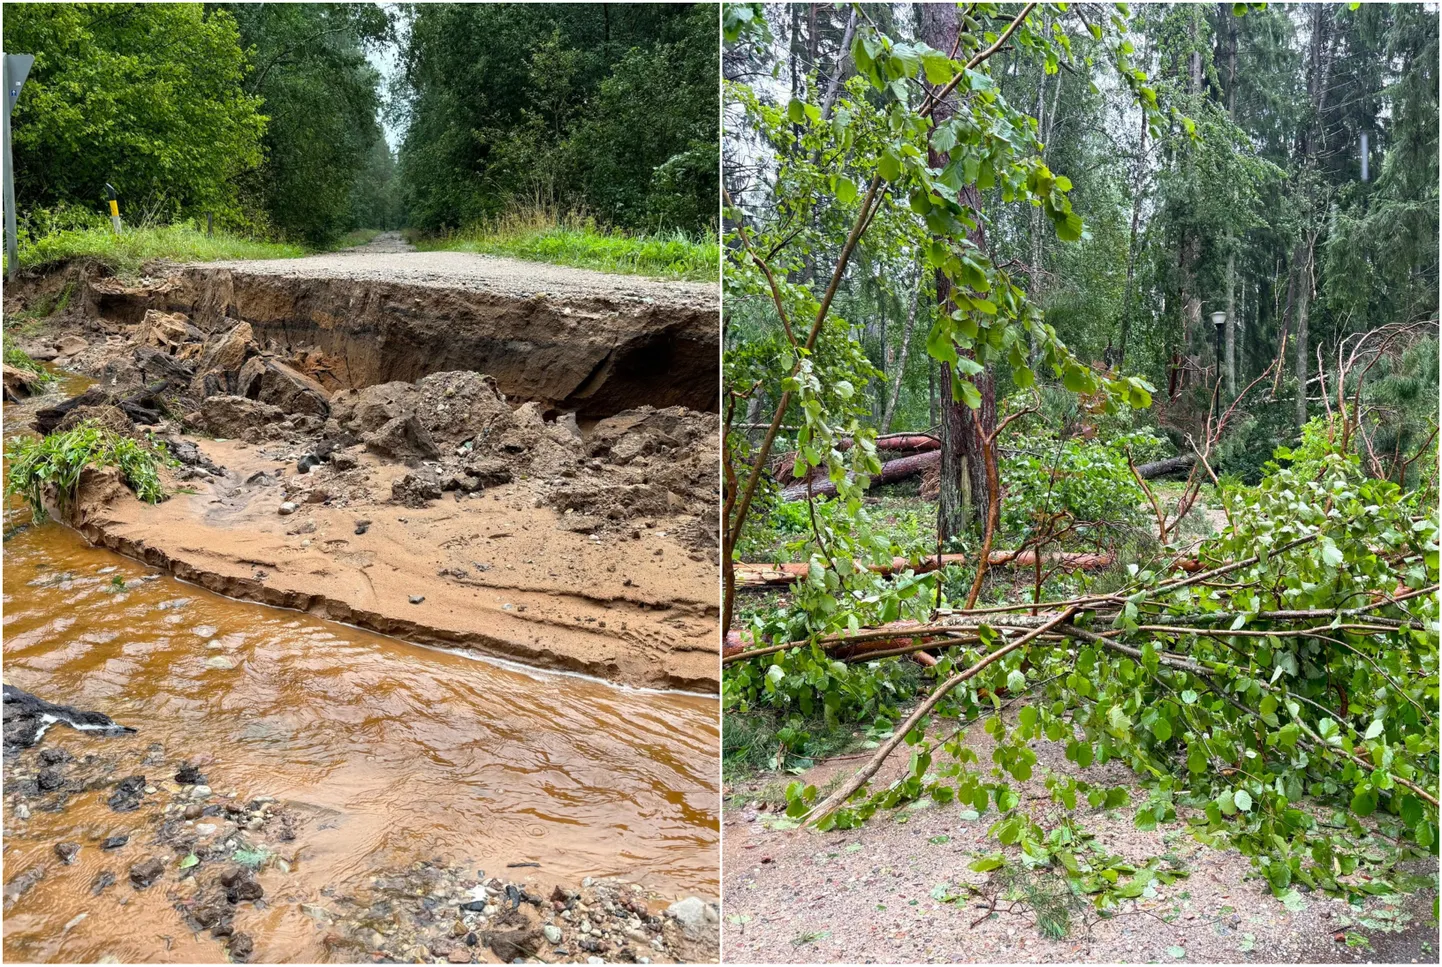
x=394, y=755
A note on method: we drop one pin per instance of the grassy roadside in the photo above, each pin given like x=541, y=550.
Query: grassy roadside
x=579, y=242
x=125, y=253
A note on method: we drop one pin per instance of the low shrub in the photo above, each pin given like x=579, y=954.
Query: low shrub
x=54, y=464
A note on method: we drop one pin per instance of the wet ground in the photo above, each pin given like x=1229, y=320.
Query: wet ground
x=373, y=785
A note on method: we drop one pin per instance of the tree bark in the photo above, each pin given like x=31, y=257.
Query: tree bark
x=1300, y=343
x=964, y=496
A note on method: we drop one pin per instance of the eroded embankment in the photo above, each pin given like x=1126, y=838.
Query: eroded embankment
x=445, y=509
x=587, y=352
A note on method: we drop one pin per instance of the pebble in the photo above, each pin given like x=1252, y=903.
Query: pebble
x=22, y=811
x=288, y=508
x=66, y=852
x=417, y=598
x=205, y=829
x=219, y=661
x=200, y=792
x=74, y=921
x=115, y=842
x=552, y=932
x=459, y=955
x=194, y=811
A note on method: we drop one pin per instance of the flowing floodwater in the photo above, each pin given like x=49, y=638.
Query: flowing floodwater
x=392, y=754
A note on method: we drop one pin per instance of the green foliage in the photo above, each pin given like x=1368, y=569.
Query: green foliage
x=147, y=97
x=17, y=358
x=1078, y=491
x=609, y=109
x=1302, y=750
x=324, y=173
x=541, y=237
x=49, y=468
x=125, y=253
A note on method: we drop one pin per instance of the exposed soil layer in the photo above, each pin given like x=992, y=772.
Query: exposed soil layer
x=880, y=893
x=320, y=468
x=571, y=339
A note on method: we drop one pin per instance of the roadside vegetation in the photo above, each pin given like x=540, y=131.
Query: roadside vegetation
x=126, y=252
x=970, y=339
x=18, y=359
x=542, y=237
x=49, y=468
x=595, y=145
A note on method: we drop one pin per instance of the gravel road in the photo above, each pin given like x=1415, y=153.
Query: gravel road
x=389, y=258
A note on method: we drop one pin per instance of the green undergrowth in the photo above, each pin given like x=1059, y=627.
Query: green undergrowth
x=582, y=243
x=19, y=359
x=125, y=253
x=51, y=466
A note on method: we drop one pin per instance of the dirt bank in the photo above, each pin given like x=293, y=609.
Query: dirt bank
x=440, y=507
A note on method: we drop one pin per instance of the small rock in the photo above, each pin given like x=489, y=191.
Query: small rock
x=194, y=811
x=692, y=913
x=116, y=841
x=245, y=890
x=286, y=509
x=200, y=792
x=552, y=932
x=417, y=598
x=361, y=526
x=220, y=662
x=144, y=874
x=241, y=947
x=50, y=779
x=205, y=829
x=128, y=793
x=66, y=852
x=22, y=811
x=103, y=880
x=189, y=775
x=459, y=955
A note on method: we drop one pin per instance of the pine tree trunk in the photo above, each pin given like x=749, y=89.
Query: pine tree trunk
x=898, y=369
x=1231, y=348
x=964, y=496
x=1301, y=345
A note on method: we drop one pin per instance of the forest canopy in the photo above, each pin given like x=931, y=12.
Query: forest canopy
x=607, y=109
x=264, y=115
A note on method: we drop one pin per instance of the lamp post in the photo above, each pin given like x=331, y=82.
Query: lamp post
x=1219, y=320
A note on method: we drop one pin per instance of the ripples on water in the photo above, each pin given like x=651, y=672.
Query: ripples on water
x=406, y=752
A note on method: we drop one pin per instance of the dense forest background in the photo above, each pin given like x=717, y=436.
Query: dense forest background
x=271, y=117
x=1261, y=205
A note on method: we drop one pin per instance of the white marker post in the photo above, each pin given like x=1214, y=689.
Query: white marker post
x=114, y=200
x=17, y=68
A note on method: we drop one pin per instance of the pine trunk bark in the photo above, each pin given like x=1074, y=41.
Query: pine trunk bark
x=964, y=497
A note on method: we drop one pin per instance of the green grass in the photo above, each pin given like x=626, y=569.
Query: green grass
x=52, y=465
x=125, y=253
x=19, y=359
x=577, y=241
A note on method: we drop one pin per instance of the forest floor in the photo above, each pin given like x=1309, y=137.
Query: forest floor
x=870, y=895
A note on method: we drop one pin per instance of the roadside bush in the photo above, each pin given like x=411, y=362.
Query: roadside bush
x=52, y=465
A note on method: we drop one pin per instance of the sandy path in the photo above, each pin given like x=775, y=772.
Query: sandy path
x=866, y=895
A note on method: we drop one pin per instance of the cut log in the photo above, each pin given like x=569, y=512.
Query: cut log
x=891, y=472
x=1150, y=471
x=776, y=575
x=908, y=443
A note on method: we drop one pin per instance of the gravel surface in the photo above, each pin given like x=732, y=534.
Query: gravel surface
x=388, y=258
x=866, y=895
